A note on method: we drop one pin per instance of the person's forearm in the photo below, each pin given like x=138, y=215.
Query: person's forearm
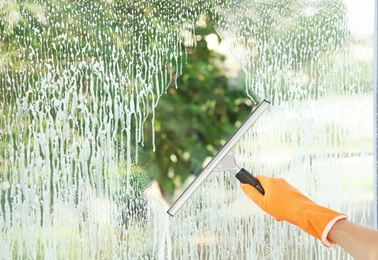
x=359, y=241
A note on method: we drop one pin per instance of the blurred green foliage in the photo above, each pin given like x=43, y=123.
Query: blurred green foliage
x=195, y=117
x=200, y=110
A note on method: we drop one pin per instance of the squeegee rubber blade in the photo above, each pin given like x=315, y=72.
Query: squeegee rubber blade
x=226, y=148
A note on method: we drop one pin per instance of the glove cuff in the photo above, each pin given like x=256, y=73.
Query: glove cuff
x=325, y=240
x=318, y=221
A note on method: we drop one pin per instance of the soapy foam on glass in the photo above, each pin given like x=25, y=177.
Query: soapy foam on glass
x=71, y=97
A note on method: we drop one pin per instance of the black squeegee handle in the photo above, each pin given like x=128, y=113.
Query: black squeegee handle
x=245, y=177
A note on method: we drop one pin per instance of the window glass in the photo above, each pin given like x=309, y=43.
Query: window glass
x=91, y=111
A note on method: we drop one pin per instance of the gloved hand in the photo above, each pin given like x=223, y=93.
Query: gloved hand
x=285, y=202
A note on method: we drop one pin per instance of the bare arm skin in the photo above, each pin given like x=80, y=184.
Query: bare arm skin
x=359, y=241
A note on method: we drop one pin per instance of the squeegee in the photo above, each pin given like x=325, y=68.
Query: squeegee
x=224, y=160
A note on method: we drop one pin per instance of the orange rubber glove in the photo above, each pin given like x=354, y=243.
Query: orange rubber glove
x=284, y=202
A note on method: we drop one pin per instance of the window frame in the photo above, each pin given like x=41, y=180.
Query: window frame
x=375, y=93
